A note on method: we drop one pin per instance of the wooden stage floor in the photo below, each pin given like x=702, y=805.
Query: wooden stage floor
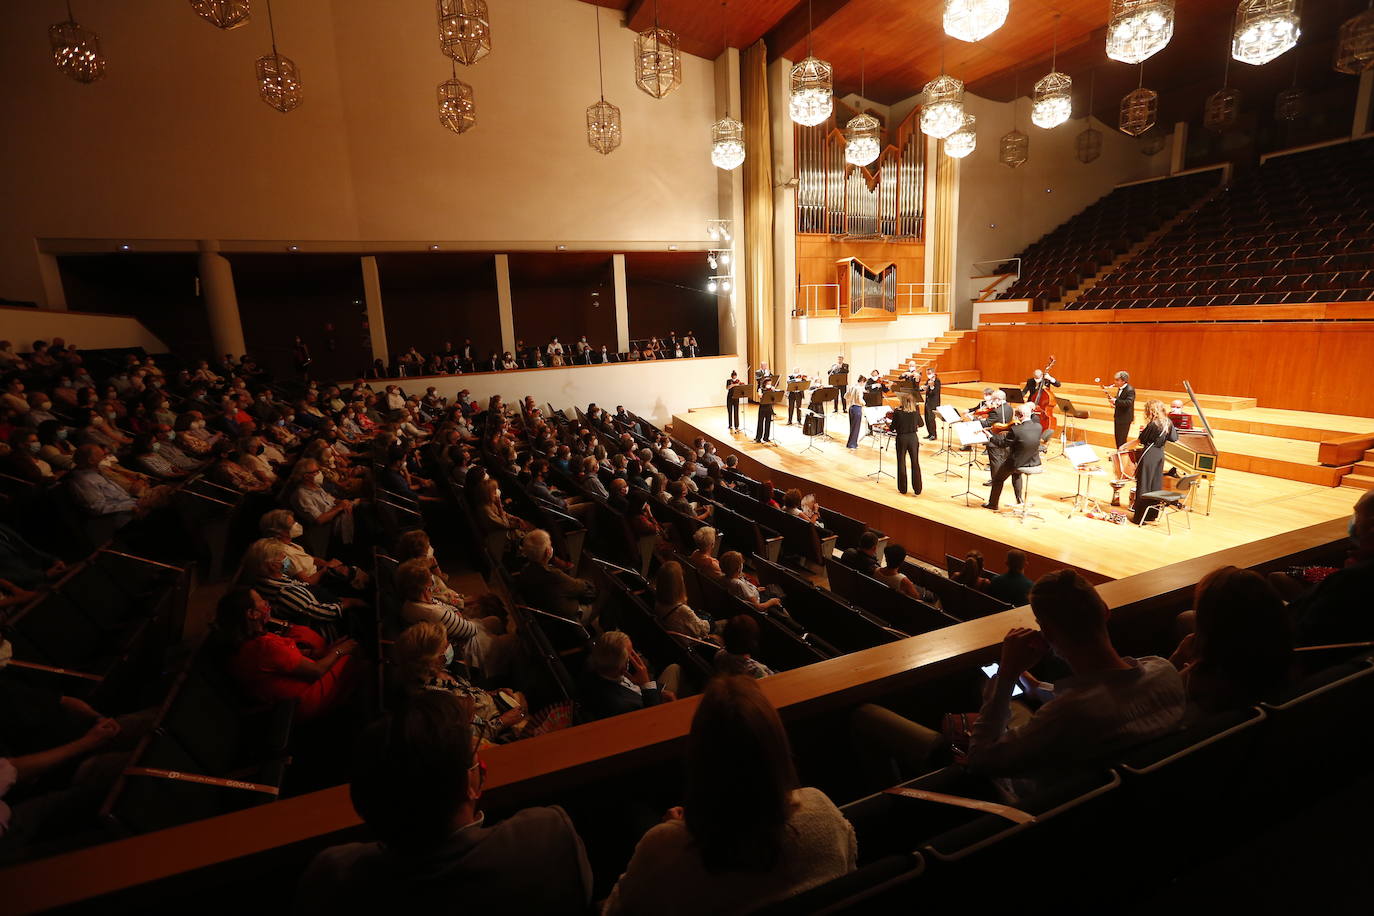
x=1245, y=508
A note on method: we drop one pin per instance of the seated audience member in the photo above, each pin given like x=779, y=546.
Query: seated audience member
x=483, y=644
x=1111, y=702
x=268, y=569
x=148, y=460
x=737, y=584
x=56, y=450
x=619, y=498
x=747, y=833
x=95, y=493
x=306, y=495
x=415, y=545
x=642, y=521
x=492, y=515
x=863, y=557
x=273, y=661
x=192, y=436
x=1013, y=586
x=1241, y=650
x=972, y=573
x=416, y=784
x=318, y=573
x=253, y=458
x=677, y=492
x=741, y=639
x=24, y=460
x=617, y=680
x=671, y=609
x=1336, y=610
x=892, y=576
x=229, y=472
x=544, y=586
x=704, y=557
x=420, y=658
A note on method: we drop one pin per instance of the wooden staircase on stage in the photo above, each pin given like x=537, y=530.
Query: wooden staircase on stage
x=952, y=353
x=1271, y=442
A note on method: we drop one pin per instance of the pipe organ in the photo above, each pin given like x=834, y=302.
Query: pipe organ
x=838, y=199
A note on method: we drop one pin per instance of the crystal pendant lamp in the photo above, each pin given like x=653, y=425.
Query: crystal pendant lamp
x=76, y=50
x=279, y=81
x=812, y=96
x=974, y=20
x=964, y=140
x=1052, y=99
x=1264, y=30
x=603, y=118
x=1138, y=29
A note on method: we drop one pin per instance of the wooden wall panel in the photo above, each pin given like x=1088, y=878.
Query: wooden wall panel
x=1298, y=366
x=817, y=254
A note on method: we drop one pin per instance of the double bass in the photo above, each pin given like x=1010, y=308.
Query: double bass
x=1044, y=401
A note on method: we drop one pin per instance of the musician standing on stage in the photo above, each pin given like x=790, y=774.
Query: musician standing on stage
x=912, y=374
x=764, y=430
x=1023, y=440
x=732, y=404
x=840, y=368
x=856, y=415
x=794, y=398
x=873, y=383
x=760, y=377
x=1149, y=470
x=930, y=391
x=998, y=411
x=1123, y=408
x=1038, y=381
x=906, y=423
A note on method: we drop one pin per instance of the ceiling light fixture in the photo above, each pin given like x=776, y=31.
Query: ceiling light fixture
x=812, y=96
x=603, y=118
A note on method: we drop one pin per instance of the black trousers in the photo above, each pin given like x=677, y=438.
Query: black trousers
x=999, y=479
x=764, y=431
x=930, y=420
x=732, y=412
x=909, y=449
x=996, y=458
x=1123, y=430
x=794, y=399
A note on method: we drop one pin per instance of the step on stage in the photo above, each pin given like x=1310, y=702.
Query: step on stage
x=1247, y=507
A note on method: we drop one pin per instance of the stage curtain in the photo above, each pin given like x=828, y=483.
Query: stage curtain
x=758, y=205
x=945, y=232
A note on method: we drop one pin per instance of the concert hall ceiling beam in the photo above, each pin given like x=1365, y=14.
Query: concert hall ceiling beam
x=788, y=37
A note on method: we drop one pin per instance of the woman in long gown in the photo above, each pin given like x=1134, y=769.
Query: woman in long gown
x=1149, y=472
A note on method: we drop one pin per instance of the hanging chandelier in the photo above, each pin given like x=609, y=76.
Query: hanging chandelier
x=658, y=63
x=964, y=140
x=1289, y=103
x=76, y=50
x=1087, y=146
x=727, y=143
x=1355, y=43
x=279, y=82
x=1264, y=30
x=603, y=118
x=1139, y=109
x=223, y=14
x=727, y=134
x=1138, y=29
x=812, y=97
x=974, y=20
x=862, y=135
x=942, y=112
x=1052, y=99
x=1221, y=111
x=456, y=109
x=464, y=30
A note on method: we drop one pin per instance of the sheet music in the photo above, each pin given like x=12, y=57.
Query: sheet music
x=970, y=433
x=1081, y=454
x=947, y=413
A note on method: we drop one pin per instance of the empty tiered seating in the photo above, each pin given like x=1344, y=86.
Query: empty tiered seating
x=1299, y=229
x=1079, y=248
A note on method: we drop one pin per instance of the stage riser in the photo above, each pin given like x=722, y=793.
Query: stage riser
x=1090, y=395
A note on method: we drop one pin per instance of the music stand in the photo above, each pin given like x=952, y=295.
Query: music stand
x=1014, y=395
x=839, y=380
x=819, y=398
x=739, y=392
x=883, y=440
x=873, y=398
x=969, y=433
x=1086, y=464
x=951, y=416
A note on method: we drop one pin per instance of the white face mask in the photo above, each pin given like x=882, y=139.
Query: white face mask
x=317, y=477
x=296, y=529
x=107, y=461
x=429, y=551
x=448, y=656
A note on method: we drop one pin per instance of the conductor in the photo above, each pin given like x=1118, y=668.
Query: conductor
x=906, y=423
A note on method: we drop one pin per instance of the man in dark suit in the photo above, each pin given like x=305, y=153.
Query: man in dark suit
x=1123, y=408
x=617, y=680
x=839, y=368
x=864, y=557
x=467, y=357
x=764, y=430
x=1038, y=381
x=1023, y=440
x=794, y=398
x=999, y=411
x=930, y=391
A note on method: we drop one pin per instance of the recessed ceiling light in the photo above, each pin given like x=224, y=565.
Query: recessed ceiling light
x=562, y=247
x=672, y=248
x=126, y=247
x=292, y=248
x=433, y=247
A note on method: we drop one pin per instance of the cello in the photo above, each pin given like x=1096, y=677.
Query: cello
x=1044, y=401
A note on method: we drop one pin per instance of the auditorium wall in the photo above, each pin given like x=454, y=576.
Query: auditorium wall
x=22, y=326
x=653, y=390
x=1002, y=210
x=174, y=143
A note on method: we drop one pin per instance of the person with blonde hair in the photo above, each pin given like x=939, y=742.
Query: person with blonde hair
x=1149, y=469
x=415, y=545
x=704, y=557
x=420, y=657
x=483, y=644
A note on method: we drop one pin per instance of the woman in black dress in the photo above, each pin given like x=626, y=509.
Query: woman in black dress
x=1149, y=472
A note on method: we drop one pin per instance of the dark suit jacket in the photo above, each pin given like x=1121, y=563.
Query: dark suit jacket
x=855, y=558
x=551, y=590
x=1125, y=403
x=599, y=698
x=1029, y=390
x=1000, y=414
x=1024, y=441
x=932, y=397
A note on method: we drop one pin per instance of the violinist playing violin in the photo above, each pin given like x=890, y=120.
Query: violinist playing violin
x=930, y=392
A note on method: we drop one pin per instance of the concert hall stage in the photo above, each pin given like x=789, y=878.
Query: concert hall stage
x=1247, y=507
